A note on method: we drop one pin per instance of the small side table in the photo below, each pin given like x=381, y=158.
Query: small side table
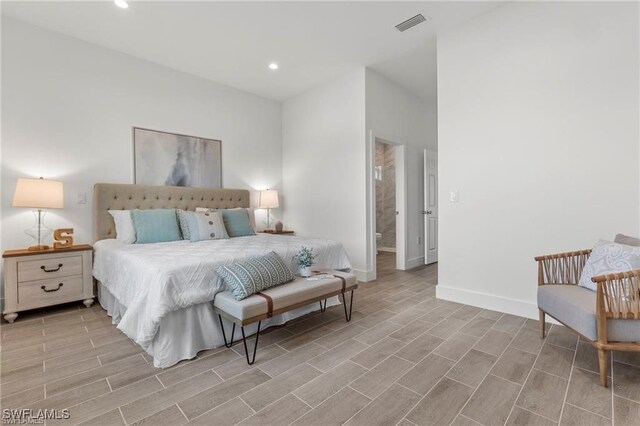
x=35, y=279
x=272, y=232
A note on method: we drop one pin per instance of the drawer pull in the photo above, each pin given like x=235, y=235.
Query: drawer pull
x=44, y=268
x=54, y=289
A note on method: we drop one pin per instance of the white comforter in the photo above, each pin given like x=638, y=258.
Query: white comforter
x=152, y=280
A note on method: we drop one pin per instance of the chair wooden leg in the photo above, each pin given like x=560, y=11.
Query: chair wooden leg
x=604, y=367
x=541, y=315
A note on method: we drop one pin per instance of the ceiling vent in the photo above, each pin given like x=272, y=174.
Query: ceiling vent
x=410, y=23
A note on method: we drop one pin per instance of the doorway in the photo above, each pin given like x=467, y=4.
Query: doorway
x=388, y=199
x=430, y=211
x=385, y=188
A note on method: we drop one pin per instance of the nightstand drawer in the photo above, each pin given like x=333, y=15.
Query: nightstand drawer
x=64, y=273
x=55, y=291
x=44, y=269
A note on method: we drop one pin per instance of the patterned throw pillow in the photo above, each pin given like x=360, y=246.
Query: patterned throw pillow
x=184, y=225
x=255, y=274
x=202, y=226
x=250, y=211
x=608, y=258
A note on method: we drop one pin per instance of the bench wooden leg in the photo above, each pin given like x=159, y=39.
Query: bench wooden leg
x=255, y=347
x=224, y=336
x=344, y=303
x=323, y=308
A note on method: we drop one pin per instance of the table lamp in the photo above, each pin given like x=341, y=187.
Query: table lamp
x=268, y=200
x=39, y=194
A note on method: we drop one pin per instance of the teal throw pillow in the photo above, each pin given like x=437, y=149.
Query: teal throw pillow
x=155, y=226
x=237, y=222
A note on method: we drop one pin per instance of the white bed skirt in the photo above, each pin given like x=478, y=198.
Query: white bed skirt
x=185, y=332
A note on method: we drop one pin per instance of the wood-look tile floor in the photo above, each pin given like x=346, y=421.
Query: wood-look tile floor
x=405, y=358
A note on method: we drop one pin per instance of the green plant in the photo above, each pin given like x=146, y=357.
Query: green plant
x=305, y=257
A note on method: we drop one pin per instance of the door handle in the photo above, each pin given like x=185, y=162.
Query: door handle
x=429, y=212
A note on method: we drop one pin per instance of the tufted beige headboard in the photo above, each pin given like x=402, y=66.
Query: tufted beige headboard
x=116, y=196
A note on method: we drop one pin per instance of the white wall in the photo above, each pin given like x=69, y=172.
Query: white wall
x=323, y=133
x=326, y=170
x=538, y=130
x=395, y=114
x=68, y=110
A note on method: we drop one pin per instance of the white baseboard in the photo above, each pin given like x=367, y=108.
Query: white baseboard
x=364, y=276
x=387, y=249
x=415, y=262
x=507, y=305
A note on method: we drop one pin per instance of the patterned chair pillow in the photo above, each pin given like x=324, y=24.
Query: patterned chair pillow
x=608, y=258
x=198, y=226
x=249, y=276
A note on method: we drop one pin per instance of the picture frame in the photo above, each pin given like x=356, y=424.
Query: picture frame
x=173, y=159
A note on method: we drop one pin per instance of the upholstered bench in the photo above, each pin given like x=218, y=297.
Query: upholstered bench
x=281, y=299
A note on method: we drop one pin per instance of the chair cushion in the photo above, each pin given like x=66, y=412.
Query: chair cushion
x=575, y=307
x=297, y=291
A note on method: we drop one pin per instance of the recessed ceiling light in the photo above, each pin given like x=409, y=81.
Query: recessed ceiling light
x=273, y=66
x=121, y=4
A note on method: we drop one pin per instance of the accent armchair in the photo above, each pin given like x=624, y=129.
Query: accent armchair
x=609, y=318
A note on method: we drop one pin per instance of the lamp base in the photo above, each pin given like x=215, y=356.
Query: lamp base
x=39, y=232
x=38, y=248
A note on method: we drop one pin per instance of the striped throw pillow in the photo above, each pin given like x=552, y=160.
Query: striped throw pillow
x=249, y=276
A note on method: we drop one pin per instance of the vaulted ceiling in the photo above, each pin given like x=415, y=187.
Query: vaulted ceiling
x=233, y=42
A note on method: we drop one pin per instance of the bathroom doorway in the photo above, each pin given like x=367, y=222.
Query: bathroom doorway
x=388, y=203
x=385, y=188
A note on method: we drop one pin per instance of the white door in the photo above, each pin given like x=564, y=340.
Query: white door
x=430, y=211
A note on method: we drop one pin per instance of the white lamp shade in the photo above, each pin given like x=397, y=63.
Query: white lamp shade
x=39, y=194
x=268, y=199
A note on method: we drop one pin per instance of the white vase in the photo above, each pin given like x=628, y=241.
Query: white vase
x=305, y=271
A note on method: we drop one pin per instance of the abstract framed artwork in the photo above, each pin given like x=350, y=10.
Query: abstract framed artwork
x=162, y=158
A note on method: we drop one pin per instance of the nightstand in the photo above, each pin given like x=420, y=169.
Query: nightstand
x=35, y=279
x=272, y=232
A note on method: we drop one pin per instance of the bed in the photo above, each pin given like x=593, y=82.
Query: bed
x=160, y=294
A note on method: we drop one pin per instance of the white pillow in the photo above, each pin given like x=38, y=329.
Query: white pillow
x=608, y=258
x=250, y=211
x=125, y=232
